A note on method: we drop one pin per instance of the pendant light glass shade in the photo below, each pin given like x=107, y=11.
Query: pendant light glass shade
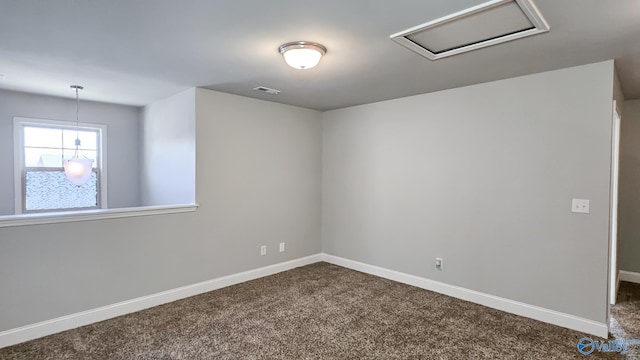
x=77, y=169
x=302, y=55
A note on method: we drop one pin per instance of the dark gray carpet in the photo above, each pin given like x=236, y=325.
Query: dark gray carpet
x=625, y=316
x=321, y=311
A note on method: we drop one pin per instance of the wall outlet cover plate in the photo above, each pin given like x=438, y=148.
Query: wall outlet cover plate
x=580, y=206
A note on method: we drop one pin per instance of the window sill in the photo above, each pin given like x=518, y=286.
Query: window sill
x=98, y=214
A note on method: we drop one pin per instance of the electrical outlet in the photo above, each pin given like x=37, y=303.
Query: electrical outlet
x=580, y=206
x=263, y=250
x=281, y=247
x=439, y=263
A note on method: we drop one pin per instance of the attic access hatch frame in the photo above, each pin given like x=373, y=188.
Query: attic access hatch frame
x=528, y=8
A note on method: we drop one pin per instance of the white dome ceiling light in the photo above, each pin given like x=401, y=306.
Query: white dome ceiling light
x=302, y=55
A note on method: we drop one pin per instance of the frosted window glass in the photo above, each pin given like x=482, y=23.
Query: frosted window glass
x=50, y=190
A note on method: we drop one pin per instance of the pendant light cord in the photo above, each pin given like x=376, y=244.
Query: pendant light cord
x=77, y=110
x=77, y=142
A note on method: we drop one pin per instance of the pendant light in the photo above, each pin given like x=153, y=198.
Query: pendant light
x=77, y=169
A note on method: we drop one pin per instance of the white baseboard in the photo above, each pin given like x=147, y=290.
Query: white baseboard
x=33, y=331
x=629, y=276
x=44, y=328
x=506, y=305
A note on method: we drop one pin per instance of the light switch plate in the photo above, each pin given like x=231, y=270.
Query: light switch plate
x=580, y=206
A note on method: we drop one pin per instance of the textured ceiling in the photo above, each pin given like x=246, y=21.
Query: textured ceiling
x=137, y=52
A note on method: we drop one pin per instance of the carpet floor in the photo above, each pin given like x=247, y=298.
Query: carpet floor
x=323, y=311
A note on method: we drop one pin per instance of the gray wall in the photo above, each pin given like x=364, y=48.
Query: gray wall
x=482, y=176
x=629, y=192
x=169, y=150
x=122, y=143
x=258, y=182
x=259, y=171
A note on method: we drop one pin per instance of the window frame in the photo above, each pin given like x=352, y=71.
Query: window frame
x=20, y=169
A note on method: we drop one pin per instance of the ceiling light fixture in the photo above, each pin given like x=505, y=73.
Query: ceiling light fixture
x=77, y=169
x=302, y=55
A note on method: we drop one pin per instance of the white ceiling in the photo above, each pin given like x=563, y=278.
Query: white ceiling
x=137, y=52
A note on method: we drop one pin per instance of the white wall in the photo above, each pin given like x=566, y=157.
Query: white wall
x=122, y=142
x=482, y=176
x=258, y=182
x=618, y=97
x=629, y=205
x=169, y=151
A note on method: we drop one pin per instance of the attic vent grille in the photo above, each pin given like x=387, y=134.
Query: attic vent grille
x=487, y=24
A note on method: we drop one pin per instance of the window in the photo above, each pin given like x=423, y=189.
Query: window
x=40, y=147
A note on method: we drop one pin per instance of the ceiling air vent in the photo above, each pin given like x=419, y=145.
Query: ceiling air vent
x=487, y=24
x=266, y=90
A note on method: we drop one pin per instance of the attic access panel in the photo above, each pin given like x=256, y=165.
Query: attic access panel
x=487, y=24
